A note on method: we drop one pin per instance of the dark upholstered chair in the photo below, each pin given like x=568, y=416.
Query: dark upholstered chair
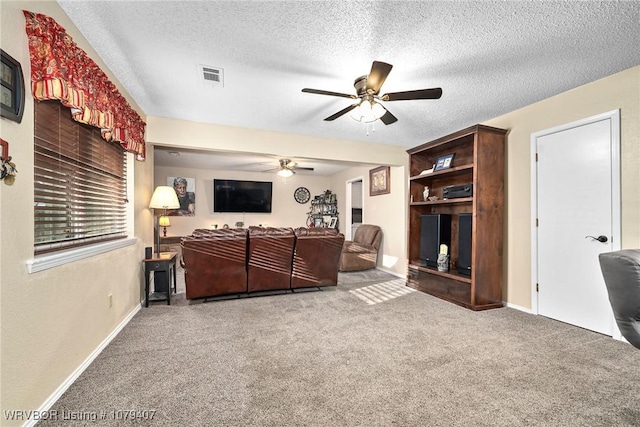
x=316, y=257
x=270, y=255
x=621, y=272
x=362, y=252
x=215, y=262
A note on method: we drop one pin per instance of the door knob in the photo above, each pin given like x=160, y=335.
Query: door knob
x=600, y=238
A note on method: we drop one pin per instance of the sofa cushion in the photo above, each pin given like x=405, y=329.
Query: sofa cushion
x=316, y=257
x=215, y=262
x=270, y=257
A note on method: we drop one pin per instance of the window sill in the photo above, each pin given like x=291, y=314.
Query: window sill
x=44, y=262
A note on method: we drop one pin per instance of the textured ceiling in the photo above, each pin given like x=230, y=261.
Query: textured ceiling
x=489, y=57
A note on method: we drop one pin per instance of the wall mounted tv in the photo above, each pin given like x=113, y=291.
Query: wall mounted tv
x=241, y=196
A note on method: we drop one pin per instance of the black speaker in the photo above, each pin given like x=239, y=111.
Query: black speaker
x=435, y=230
x=465, y=224
x=147, y=252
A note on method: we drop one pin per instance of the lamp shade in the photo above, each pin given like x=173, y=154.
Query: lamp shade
x=285, y=173
x=368, y=111
x=163, y=221
x=164, y=197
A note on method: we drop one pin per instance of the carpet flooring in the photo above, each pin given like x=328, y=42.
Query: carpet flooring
x=369, y=352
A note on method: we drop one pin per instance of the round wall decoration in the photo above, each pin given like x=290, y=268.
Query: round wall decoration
x=301, y=195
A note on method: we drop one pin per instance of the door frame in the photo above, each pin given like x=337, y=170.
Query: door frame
x=614, y=117
x=348, y=204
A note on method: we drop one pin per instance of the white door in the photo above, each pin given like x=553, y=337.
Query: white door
x=576, y=206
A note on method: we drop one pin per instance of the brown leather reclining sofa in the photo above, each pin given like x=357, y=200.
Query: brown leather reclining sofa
x=236, y=261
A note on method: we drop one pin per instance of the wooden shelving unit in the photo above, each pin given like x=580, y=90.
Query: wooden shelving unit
x=478, y=159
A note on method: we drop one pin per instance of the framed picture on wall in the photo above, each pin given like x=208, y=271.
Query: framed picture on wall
x=379, y=181
x=11, y=88
x=186, y=192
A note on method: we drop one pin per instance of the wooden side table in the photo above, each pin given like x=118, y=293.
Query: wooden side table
x=163, y=261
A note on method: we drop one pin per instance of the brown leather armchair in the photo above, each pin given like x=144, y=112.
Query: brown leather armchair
x=362, y=252
x=215, y=262
x=316, y=257
x=270, y=254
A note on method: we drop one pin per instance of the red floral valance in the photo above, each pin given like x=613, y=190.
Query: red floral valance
x=61, y=70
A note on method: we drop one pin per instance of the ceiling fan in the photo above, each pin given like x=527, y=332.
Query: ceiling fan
x=368, y=107
x=287, y=168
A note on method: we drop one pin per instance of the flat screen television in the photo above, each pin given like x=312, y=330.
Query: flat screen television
x=241, y=196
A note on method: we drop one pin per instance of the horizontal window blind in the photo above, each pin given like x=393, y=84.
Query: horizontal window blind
x=80, y=182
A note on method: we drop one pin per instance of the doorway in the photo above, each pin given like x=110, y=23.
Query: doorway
x=354, y=206
x=576, y=216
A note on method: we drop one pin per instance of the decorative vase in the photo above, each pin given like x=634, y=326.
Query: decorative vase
x=443, y=262
x=425, y=193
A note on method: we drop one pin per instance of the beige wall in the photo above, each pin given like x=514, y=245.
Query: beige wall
x=286, y=212
x=621, y=90
x=52, y=321
x=185, y=134
x=389, y=211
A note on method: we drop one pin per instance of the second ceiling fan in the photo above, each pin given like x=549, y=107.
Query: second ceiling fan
x=368, y=99
x=287, y=168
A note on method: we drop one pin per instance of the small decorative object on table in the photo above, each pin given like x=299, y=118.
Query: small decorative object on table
x=425, y=193
x=443, y=258
x=433, y=198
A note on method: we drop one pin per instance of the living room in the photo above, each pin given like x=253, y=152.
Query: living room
x=55, y=321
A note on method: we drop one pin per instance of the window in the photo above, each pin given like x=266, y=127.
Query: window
x=79, y=182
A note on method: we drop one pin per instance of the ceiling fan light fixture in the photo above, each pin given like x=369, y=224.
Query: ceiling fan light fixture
x=285, y=173
x=368, y=111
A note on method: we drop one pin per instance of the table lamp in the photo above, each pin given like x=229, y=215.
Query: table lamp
x=164, y=197
x=164, y=222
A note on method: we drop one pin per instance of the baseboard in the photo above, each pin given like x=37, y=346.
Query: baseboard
x=402, y=276
x=80, y=369
x=518, y=307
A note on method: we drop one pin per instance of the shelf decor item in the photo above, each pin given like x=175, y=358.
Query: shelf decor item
x=443, y=258
x=323, y=211
x=425, y=193
x=444, y=162
x=379, y=181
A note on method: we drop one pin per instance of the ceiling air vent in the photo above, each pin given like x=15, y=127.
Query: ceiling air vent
x=212, y=75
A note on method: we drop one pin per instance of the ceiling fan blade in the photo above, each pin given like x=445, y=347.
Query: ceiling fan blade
x=303, y=169
x=340, y=113
x=377, y=76
x=270, y=170
x=434, y=93
x=326, y=92
x=388, y=118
